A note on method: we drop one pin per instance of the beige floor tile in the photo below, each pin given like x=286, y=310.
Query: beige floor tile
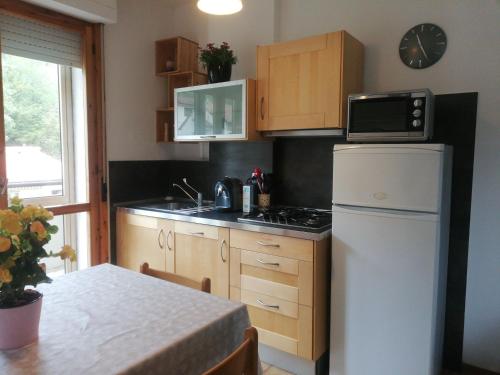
x=265, y=366
x=276, y=371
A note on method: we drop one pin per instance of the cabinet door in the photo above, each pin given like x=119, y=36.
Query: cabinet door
x=216, y=111
x=203, y=251
x=139, y=240
x=299, y=83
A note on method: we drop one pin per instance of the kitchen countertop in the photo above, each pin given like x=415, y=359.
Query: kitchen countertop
x=222, y=219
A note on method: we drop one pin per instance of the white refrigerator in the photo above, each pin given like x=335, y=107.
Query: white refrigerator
x=390, y=247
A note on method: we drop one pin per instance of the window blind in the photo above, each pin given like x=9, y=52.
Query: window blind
x=36, y=40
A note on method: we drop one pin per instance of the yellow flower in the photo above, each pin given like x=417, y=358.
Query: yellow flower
x=16, y=201
x=31, y=212
x=5, y=275
x=11, y=222
x=67, y=252
x=5, y=244
x=38, y=228
x=28, y=212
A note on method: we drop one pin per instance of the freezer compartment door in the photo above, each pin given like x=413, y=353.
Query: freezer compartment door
x=384, y=293
x=402, y=178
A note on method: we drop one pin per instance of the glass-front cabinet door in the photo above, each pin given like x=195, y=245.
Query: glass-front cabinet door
x=211, y=112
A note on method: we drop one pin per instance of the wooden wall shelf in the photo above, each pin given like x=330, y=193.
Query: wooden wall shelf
x=177, y=60
x=180, y=53
x=164, y=125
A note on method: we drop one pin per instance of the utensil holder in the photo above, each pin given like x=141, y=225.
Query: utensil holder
x=264, y=200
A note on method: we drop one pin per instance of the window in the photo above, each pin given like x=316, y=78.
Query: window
x=52, y=119
x=46, y=148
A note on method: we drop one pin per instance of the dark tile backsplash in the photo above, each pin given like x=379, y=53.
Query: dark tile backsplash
x=302, y=174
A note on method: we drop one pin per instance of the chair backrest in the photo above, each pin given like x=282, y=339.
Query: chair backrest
x=244, y=360
x=203, y=285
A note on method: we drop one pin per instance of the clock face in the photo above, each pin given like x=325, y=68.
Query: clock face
x=422, y=46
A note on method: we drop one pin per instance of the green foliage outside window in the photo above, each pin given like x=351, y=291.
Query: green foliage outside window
x=31, y=104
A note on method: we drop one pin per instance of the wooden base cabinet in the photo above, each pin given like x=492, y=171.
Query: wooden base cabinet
x=304, y=84
x=284, y=283
x=144, y=239
x=203, y=251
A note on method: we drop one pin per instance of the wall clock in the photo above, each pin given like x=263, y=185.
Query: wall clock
x=422, y=46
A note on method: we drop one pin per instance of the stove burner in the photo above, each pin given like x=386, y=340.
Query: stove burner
x=304, y=218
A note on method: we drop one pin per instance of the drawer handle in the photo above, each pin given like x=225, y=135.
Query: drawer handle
x=277, y=307
x=268, y=263
x=261, y=243
x=198, y=233
x=208, y=136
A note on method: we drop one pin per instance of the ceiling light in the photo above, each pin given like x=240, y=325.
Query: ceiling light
x=220, y=7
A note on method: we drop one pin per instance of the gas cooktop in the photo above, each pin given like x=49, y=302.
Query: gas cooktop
x=290, y=217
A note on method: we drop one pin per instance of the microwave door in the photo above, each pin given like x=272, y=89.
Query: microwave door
x=379, y=115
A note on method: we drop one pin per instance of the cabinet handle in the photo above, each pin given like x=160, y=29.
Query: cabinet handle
x=261, y=243
x=208, y=136
x=169, y=234
x=198, y=233
x=268, y=263
x=262, y=108
x=221, y=256
x=161, y=234
x=277, y=307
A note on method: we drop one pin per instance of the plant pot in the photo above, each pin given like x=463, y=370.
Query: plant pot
x=19, y=325
x=219, y=72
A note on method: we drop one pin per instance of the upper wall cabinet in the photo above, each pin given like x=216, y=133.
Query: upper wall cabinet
x=303, y=84
x=215, y=112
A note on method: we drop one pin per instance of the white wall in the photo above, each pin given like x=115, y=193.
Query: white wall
x=243, y=31
x=471, y=63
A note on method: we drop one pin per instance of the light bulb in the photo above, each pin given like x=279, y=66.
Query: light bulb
x=220, y=7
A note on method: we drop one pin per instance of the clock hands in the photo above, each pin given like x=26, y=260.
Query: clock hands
x=422, y=48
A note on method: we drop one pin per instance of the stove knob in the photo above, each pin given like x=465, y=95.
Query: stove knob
x=417, y=102
x=416, y=123
x=417, y=113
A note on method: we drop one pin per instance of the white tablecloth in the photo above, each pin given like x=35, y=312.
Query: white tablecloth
x=108, y=320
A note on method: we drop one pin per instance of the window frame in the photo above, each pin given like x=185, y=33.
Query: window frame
x=92, y=67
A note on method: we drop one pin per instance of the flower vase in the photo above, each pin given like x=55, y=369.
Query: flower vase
x=19, y=324
x=219, y=72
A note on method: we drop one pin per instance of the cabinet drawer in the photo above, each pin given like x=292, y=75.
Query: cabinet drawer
x=277, y=341
x=271, y=244
x=266, y=302
x=270, y=288
x=270, y=262
x=140, y=221
x=199, y=230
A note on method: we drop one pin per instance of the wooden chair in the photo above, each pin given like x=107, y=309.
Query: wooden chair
x=203, y=285
x=244, y=360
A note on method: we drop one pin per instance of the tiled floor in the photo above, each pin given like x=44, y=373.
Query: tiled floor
x=270, y=370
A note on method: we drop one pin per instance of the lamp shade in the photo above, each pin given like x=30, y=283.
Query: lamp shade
x=220, y=7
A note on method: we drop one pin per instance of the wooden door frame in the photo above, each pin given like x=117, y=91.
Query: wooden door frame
x=93, y=77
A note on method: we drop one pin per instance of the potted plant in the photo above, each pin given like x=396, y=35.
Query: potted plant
x=218, y=61
x=24, y=231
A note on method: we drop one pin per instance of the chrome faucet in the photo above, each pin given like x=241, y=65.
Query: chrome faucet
x=199, y=201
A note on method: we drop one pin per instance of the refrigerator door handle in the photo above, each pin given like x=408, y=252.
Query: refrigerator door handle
x=411, y=215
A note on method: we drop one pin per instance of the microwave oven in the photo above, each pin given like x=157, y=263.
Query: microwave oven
x=390, y=116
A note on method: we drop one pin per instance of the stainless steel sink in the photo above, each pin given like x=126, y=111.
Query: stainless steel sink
x=176, y=205
x=169, y=206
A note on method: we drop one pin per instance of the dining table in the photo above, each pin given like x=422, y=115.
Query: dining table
x=110, y=320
